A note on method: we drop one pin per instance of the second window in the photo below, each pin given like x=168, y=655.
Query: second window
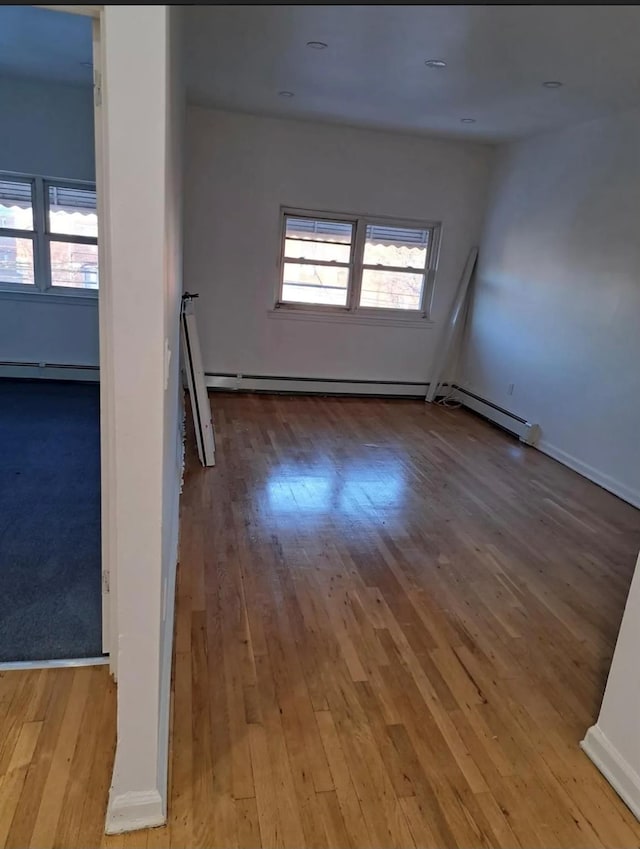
x=359, y=264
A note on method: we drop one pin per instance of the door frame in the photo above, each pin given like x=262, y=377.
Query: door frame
x=107, y=424
x=105, y=323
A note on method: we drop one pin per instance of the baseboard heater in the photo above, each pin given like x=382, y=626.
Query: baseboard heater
x=312, y=386
x=50, y=371
x=526, y=432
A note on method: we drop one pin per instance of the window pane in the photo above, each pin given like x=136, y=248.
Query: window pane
x=401, y=247
x=16, y=260
x=392, y=290
x=74, y=265
x=16, y=205
x=72, y=211
x=315, y=284
x=317, y=229
x=306, y=249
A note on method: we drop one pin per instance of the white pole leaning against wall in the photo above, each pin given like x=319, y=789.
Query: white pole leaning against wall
x=445, y=346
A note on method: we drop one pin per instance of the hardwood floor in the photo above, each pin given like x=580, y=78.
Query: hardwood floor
x=394, y=625
x=57, y=739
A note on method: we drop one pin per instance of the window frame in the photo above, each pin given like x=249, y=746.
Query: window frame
x=357, y=266
x=42, y=237
x=14, y=232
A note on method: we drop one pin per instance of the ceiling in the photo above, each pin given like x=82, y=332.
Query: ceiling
x=372, y=72
x=42, y=44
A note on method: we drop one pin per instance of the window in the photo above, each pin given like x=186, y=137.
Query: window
x=48, y=235
x=17, y=235
x=357, y=264
x=72, y=236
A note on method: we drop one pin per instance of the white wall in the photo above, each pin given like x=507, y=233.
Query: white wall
x=557, y=296
x=46, y=328
x=144, y=250
x=614, y=742
x=48, y=131
x=241, y=168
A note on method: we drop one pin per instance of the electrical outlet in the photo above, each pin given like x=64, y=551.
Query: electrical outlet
x=510, y=389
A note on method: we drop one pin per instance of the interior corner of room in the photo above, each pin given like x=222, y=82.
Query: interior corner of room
x=387, y=254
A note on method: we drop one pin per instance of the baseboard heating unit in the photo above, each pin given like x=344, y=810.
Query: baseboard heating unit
x=527, y=432
x=311, y=385
x=50, y=371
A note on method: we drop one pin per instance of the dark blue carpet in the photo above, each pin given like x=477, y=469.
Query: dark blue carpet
x=50, y=601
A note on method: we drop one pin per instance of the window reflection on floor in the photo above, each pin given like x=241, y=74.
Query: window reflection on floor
x=350, y=488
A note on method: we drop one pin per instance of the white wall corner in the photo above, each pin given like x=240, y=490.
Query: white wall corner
x=135, y=810
x=620, y=774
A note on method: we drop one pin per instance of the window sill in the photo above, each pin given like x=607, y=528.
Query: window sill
x=37, y=296
x=330, y=317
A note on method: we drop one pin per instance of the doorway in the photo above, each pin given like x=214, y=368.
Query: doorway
x=51, y=569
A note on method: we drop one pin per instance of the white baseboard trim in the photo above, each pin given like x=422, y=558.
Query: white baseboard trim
x=309, y=386
x=50, y=371
x=605, y=481
x=620, y=775
x=131, y=811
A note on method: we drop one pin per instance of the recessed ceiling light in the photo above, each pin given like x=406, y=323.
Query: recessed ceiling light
x=552, y=84
x=435, y=63
x=317, y=45
x=285, y=93
x=467, y=120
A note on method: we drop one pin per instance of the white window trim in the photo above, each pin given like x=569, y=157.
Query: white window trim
x=41, y=238
x=356, y=267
